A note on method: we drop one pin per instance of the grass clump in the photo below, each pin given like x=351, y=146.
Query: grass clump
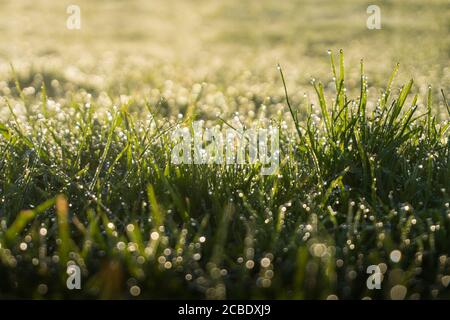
x=356, y=186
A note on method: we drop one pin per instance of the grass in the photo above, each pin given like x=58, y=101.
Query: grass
x=359, y=183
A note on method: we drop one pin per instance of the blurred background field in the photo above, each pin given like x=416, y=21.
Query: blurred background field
x=165, y=47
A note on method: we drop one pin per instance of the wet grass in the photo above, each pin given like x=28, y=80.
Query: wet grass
x=360, y=183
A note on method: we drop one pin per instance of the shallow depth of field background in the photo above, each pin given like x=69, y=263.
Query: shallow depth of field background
x=134, y=47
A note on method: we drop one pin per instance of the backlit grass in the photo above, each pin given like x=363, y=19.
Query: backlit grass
x=361, y=182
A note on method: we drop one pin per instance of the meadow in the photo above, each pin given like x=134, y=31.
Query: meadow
x=86, y=139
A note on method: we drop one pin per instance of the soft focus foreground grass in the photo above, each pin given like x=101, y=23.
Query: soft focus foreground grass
x=85, y=175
